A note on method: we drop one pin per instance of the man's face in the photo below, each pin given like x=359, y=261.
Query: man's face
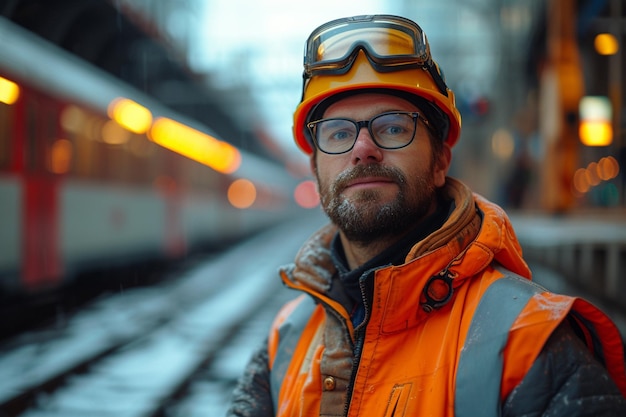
x=372, y=193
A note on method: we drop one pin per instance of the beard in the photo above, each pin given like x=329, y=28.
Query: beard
x=365, y=217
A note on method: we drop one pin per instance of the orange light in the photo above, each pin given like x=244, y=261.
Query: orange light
x=306, y=195
x=581, y=181
x=9, y=91
x=586, y=178
x=595, y=127
x=193, y=144
x=608, y=168
x=606, y=44
x=61, y=156
x=242, y=193
x=596, y=133
x=592, y=174
x=131, y=115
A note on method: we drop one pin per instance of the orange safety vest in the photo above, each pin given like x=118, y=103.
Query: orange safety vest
x=462, y=361
x=465, y=352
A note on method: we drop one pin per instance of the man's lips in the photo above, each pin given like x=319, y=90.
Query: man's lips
x=369, y=182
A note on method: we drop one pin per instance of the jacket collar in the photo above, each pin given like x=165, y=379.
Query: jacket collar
x=394, y=255
x=476, y=232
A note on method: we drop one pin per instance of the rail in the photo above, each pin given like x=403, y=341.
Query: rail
x=589, y=251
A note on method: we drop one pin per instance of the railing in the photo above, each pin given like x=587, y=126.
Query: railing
x=590, y=252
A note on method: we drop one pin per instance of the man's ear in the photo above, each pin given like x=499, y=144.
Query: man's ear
x=442, y=164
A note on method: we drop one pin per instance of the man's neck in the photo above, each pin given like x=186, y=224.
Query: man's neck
x=358, y=253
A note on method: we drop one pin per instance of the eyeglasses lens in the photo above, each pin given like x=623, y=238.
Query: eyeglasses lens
x=388, y=130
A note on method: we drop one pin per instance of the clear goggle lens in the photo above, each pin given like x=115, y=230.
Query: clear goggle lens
x=387, y=40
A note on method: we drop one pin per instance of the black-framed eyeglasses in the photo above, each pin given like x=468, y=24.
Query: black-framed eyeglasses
x=390, y=130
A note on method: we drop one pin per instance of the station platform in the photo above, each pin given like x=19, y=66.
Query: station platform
x=581, y=254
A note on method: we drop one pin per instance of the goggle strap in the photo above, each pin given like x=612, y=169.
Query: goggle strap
x=438, y=79
x=379, y=67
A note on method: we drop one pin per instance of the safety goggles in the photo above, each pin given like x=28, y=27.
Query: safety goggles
x=391, y=43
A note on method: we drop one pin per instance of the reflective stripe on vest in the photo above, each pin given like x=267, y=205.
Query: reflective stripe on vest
x=289, y=336
x=479, y=373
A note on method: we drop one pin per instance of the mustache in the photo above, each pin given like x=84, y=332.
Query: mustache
x=363, y=171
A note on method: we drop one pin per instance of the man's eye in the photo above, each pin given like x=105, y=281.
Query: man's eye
x=340, y=135
x=394, y=130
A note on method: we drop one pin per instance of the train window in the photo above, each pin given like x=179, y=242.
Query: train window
x=56, y=150
x=88, y=158
x=6, y=135
x=141, y=152
x=200, y=177
x=82, y=128
x=103, y=150
x=118, y=164
x=40, y=133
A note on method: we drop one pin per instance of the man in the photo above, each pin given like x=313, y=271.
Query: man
x=416, y=300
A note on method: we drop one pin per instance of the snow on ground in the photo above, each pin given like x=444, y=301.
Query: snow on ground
x=198, y=307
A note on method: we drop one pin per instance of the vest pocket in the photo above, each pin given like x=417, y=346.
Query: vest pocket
x=398, y=399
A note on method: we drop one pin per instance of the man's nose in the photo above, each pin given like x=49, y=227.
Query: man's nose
x=365, y=149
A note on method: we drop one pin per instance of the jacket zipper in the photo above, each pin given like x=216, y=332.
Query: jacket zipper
x=358, y=346
x=359, y=340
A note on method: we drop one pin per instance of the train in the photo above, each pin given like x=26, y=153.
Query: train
x=95, y=173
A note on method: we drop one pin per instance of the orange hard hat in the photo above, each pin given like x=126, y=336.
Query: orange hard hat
x=373, y=53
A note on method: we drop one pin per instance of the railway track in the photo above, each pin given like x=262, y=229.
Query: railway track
x=155, y=351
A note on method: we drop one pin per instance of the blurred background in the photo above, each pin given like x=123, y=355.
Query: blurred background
x=509, y=62
x=186, y=106
x=157, y=133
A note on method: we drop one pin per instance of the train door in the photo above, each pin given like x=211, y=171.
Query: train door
x=41, y=265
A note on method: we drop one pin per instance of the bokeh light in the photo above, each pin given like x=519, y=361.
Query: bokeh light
x=242, y=193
